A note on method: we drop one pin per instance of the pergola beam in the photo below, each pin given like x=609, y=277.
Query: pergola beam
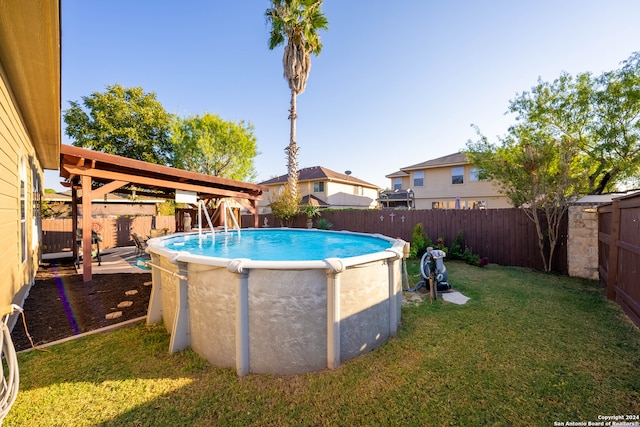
x=107, y=188
x=84, y=168
x=158, y=183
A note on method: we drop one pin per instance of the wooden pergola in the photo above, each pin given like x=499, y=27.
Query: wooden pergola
x=97, y=174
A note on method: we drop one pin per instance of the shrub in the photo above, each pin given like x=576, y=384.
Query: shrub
x=418, y=241
x=440, y=245
x=311, y=211
x=460, y=251
x=470, y=258
x=457, y=248
x=285, y=206
x=324, y=224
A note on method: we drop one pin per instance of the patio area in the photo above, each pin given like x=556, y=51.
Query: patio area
x=112, y=260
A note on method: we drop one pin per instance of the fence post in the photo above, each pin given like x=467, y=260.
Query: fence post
x=612, y=268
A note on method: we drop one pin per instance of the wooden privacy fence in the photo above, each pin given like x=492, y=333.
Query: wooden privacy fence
x=619, y=252
x=504, y=236
x=57, y=235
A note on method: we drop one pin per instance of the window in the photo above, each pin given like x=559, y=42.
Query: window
x=457, y=175
x=318, y=187
x=23, y=209
x=357, y=190
x=474, y=174
x=397, y=183
x=418, y=179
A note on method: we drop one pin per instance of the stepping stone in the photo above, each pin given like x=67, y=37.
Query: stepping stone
x=113, y=315
x=131, y=292
x=124, y=304
x=147, y=283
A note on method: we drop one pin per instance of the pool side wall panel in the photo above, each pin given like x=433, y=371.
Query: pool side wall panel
x=287, y=321
x=169, y=292
x=364, y=309
x=287, y=314
x=212, y=301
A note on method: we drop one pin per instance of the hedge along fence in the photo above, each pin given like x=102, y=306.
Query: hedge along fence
x=504, y=236
x=57, y=233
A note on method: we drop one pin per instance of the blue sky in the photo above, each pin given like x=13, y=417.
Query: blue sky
x=397, y=83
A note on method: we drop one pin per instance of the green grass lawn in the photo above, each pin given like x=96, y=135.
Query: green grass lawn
x=528, y=349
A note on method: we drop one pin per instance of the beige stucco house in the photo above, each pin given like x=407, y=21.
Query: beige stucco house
x=448, y=182
x=29, y=134
x=327, y=189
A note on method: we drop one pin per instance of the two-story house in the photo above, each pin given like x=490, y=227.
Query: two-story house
x=325, y=188
x=448, y=182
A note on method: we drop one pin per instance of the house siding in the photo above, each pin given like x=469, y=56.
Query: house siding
x=14, y=145
x=438, y=187
x=336, y=194
x=341, y=195
x=306, y=188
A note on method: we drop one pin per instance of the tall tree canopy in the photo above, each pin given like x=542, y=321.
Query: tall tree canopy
x=615, y=149
x=123, y=121
x=210, y=145
x=574, y=136
x=295, y=23
x=599, y=115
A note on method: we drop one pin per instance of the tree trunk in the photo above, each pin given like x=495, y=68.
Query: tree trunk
x=532, y=213
x=292, y=149
x=602, y=184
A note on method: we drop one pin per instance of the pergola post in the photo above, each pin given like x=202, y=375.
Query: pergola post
x=86, y=228
x=74, y=222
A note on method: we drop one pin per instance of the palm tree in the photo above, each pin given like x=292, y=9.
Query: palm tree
x=297, y=22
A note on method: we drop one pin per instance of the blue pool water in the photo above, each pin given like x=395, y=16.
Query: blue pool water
x=279, y=245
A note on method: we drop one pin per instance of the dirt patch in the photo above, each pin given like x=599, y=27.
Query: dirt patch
x=61, y=305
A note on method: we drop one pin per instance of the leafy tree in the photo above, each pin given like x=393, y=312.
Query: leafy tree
x=166, y=208
x=210, y=145
x=123, y=121
x=600, y=115
x=616, y=148
x=285, y=205
x=576, y=135
x=50, y=209
x=297, y=23
x=538, y=173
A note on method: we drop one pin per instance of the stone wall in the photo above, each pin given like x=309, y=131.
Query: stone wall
x=582, y=241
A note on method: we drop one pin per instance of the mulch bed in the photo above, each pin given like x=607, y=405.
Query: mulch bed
x=60, y=305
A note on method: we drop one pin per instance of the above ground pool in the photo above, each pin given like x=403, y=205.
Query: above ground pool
x=278, y=301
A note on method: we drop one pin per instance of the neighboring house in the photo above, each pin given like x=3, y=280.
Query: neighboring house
x=448, y=182
x=111, y=205
x=325, y=188
x=29, y=135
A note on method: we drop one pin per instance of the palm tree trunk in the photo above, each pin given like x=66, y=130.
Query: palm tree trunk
x=292, y=149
